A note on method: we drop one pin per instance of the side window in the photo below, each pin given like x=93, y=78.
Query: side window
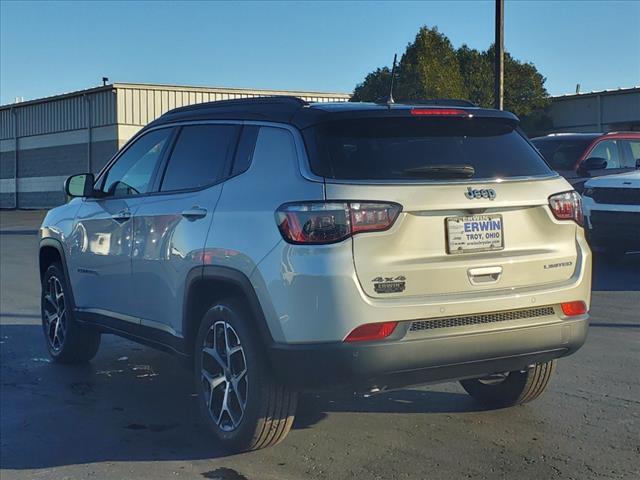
x=199, y=156
x=132, y=174
x=244, y=152
x=632, y=149
x=607, y=149
x=275, y=151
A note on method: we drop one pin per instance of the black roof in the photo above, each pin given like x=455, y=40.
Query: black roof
x=297, y=112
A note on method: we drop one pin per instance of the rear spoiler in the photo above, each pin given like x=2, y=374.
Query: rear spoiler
x=304, y=118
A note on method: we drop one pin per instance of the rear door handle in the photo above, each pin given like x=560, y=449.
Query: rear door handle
x=121, y=216
x=194, y=213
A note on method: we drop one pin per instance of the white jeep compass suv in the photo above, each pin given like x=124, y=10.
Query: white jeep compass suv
x=286, y=246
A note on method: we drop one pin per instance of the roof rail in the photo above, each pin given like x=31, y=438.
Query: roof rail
x=560, y=134
x=267, y=100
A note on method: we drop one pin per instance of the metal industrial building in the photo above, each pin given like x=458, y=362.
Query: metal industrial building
x=45, y=140
x=602, y=111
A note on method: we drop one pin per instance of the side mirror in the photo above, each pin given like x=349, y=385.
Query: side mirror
x=592, y=163
x=80, y=185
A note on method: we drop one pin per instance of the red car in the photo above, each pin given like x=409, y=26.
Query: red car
x=579, y=156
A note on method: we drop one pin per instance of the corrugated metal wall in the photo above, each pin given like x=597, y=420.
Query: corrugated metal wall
x=53, y=133
x=125, y=104
x=141, y=104
x=59, y=114
x=606, y=111
x=6, y=124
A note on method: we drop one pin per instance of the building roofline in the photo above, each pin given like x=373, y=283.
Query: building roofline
x=265, y=91
x=177, y=88
x=612, y=91
x=59, y=96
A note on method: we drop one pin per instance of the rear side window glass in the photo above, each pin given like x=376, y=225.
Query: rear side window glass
x=635, y=149
x=562, y=154
x=199, y=156
x=246, y=146
x=421, y=148
x=631, y=157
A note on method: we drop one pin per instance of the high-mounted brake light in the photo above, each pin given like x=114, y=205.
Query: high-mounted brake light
x=567, y=206
x=329, y=222
x=371, y=331
x=440, y=112
x=572, y=309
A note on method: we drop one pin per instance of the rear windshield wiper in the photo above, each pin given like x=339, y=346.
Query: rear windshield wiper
x=442, y=171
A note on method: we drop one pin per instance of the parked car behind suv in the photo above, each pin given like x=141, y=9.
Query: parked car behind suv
x=612, y=213
x=286, y=246
x=579, y=156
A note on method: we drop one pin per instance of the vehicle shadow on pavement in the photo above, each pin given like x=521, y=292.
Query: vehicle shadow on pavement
x=315, y=408
x=132, y=403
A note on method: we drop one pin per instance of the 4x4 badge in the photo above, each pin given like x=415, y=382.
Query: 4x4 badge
x=472, y=193
x=389, y=284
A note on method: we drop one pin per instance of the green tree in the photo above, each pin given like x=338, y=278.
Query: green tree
x=524, y=90
x=428, y=69
x=432, y=68
x=374, y=87
x=476, y=69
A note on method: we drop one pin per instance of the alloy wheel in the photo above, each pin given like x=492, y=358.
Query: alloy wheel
x=224, y=376
x=55, y=314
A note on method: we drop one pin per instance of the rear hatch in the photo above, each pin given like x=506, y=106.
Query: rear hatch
x=475, y=203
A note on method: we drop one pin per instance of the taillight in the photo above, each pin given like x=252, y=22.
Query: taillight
x=572, y=309
x=440, y=112
x=371, y=331
x=567, y=206
x=371, y=217
x=330, y=222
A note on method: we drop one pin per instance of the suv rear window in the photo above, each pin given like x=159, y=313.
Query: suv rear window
x=421, y=148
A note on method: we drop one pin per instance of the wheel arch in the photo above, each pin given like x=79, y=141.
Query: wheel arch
x=50, y=251
x=208, y=284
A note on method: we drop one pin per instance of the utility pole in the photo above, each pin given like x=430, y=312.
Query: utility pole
x=498, y=88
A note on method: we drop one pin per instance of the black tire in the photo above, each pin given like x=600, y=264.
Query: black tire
x=269, y=408
x=513, y=389
x=67, y=340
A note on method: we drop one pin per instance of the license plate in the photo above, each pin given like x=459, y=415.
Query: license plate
x=476, y=233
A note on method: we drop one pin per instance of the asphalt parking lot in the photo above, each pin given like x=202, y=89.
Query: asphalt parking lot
x=131, y=413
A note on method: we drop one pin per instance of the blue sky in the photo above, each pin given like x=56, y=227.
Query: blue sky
x=54, y=47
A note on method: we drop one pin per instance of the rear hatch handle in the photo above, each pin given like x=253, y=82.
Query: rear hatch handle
x=482, y=275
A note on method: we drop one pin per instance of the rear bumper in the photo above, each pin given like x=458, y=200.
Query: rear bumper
x=399, y=363
x=312, y=295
